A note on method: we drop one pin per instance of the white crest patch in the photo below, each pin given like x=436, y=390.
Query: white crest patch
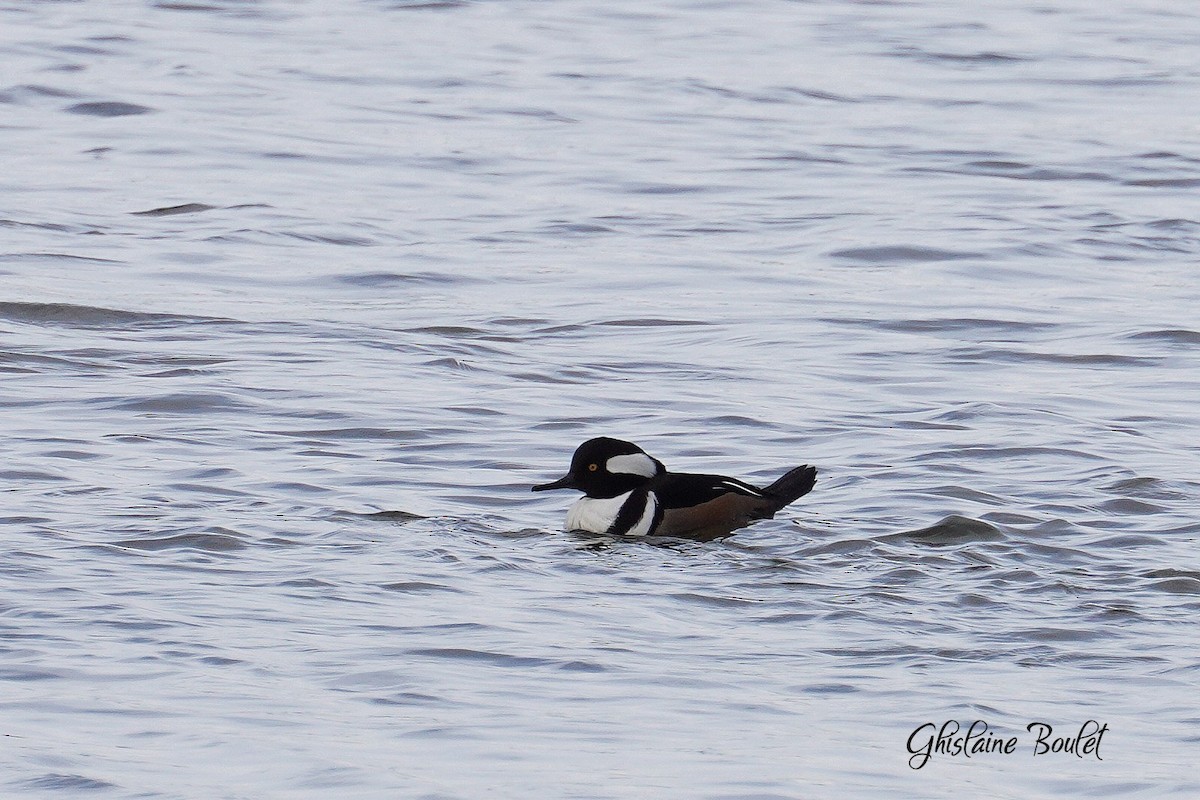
x=633, y=464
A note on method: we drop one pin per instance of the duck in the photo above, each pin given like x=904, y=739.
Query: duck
x=627, y=492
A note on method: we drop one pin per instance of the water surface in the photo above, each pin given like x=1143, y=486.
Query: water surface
x=297, y=300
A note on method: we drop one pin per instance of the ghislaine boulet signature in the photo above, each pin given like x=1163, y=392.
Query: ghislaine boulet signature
x=928, y=740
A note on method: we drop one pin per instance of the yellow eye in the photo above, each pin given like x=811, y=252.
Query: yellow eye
x=593, y=467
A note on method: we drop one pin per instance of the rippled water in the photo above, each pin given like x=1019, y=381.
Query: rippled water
x=298, y=299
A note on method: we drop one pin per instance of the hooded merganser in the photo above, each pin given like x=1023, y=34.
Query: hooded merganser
x=626, y=492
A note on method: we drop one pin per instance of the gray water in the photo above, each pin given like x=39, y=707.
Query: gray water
x=297, y=300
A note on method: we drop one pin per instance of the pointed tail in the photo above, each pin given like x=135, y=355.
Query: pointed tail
x=790, y=488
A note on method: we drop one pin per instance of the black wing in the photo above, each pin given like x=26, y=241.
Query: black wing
x=683, y=490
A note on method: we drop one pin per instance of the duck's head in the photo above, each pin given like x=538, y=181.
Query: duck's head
x=605, y=467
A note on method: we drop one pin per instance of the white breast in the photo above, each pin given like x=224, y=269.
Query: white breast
x=597, y=515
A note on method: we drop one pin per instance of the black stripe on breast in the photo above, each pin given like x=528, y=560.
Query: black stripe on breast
x=632, y=511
